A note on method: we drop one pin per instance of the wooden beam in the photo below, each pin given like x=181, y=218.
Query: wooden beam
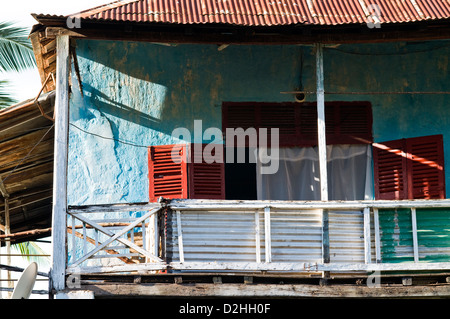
x=263, y=290
x=59, y=232
x=321, y=131
x=223, y=34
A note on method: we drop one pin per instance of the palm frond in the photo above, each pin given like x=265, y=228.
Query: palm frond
x=16, y=53
x=31, y=248
x=6, y=98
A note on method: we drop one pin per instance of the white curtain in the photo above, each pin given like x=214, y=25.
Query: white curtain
x=297, y=178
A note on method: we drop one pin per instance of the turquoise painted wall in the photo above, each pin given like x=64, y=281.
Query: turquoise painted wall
x=139, y=92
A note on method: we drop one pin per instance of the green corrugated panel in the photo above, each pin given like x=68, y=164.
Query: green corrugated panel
x=433, y=234
x=396, y=235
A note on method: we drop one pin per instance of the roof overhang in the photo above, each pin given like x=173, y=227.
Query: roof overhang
x=221, y=33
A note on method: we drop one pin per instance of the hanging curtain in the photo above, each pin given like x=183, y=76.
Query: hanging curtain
x=297, y=178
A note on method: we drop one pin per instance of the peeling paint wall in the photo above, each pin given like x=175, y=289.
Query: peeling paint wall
x=136, y=94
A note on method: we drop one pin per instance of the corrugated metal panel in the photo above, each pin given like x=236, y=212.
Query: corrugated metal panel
x=396, y=235
x=267, y=13
x=213, y=236
x=296, y=236
x=433, y=234
x=230, y=236
x=346, y=233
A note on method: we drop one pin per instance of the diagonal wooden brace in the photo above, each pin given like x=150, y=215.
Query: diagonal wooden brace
x=116, y=237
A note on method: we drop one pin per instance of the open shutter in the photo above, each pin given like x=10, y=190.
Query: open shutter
x=390, y=170
x=167, y=167
x=411, y=168
x=206, y=177
x=426, y=167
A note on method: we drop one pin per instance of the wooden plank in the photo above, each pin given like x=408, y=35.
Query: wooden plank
x=325, y=237
x=376, y=221
x=180, y=237
x=267, y=235
x=367, y=241
x=307, y=267
x=249, y=206
x=414, y=235
x=262, y=290
x=112, y=208
x=60, y=164
x=257, y=238
x=321, y=131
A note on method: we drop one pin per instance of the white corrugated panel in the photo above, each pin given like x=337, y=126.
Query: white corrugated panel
x=229, y=236
x=296, y=236
x=346, y=231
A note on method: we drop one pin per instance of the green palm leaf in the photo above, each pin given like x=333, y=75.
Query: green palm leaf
x=31, y=248
x=5, y=98
x=16, y=53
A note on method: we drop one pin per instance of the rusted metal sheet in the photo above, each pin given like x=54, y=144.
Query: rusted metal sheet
x=267, y=13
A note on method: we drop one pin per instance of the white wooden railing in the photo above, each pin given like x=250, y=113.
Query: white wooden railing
x=92, y=239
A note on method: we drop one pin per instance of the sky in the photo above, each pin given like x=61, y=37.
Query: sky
x=26, y=85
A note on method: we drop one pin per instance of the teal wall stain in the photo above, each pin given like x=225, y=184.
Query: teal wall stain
x=139, y=92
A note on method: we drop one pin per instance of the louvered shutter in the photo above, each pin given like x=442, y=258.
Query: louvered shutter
x=390, y=170
x=426, y=167
x=282, y=116
x=206, y=177
x=239, y=115
x=167, y=167
x=410, y=168
x=353, y=123
x=345, y=122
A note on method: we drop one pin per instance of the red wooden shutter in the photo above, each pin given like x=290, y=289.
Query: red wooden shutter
x=354, y=123
x=426, y=167
x=410, y=168
x=390, y=170
x=206, y=180
x=167, y=167
x=281, y=116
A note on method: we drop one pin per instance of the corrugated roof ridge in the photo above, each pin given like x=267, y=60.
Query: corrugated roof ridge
x=102, y=8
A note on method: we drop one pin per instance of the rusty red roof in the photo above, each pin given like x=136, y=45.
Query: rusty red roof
x=270, y=12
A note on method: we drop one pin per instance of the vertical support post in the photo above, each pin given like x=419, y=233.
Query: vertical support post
x=257, y=238
x=414, y=235
x=321, y=132
x=367, y=241
x=325, y=237
x=267, y=235
x=73, y=238
x=180, y=237
x=59, y=231
x=376, y=222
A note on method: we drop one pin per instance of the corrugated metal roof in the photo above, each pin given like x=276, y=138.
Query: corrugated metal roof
x=269, y=12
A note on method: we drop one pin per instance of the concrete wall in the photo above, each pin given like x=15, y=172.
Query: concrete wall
x=135, y=94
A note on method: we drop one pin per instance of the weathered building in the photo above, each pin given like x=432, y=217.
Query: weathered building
x=358, y=95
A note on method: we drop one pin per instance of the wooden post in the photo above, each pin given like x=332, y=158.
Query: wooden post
x=322, y=145
x=376, y=221
x=267, y=235
x=414, y=235
x=59, y=231
x=367, y=241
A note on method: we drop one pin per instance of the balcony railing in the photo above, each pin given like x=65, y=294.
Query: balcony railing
x=255, y=236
